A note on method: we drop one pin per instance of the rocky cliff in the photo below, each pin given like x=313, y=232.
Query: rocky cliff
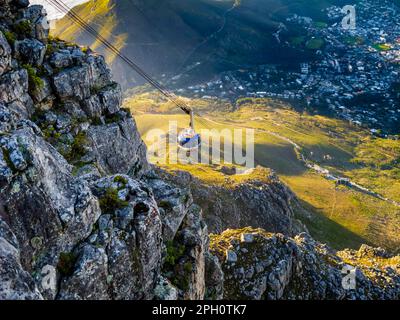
x=261, y=265
x=258, y=199
x=84, y=216
x=77, y=221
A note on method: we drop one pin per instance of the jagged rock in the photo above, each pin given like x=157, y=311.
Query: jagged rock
x=127, y=153
x=7, y=119
x=231, y=256
x=42, y=93
x=99, y=71
x=194, y=237
x=5, y=54
x=111, y=98
x=61, y=59
x=123, y=257
x=44, y=201
x=92, y=107
x=278, y=267
x=266, y=204
x=173, y=203
x=89, y=278
x=73, y=82
x=30, y=51
x=14, y=92
x=15, y=282
x=185, y=261
x=37, y=16
x=78, y=82
x=214, y=278
x=165, y=290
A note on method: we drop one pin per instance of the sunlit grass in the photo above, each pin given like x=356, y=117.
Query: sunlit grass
x=340, y=216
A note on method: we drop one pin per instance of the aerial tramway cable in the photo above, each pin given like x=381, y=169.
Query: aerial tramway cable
x=188, y=139
x=60, y=5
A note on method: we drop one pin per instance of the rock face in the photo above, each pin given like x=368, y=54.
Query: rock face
x=81, y=214
x=260, y=265
x=84, y=216
x=268, y=205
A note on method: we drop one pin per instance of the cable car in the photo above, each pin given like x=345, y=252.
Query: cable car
x=188, y=139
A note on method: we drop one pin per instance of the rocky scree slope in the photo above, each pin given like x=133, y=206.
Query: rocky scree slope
x=84, y=216
x=77, y=221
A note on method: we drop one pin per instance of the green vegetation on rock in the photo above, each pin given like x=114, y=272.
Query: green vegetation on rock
x=35, y=82
x=23, y=28
x=110, y=201
x=66, y=263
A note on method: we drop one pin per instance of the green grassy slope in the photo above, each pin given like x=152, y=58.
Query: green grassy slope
x=341, y=216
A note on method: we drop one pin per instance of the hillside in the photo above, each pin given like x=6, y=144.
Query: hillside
x=171, y=36
x=341, y=215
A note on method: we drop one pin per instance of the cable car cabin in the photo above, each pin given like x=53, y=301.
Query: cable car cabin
x=188, y=139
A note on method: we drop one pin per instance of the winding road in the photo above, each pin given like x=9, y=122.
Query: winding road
x=316, y=167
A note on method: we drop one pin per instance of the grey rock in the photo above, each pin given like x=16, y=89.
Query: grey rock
x=165, y=290
x=40, y=94
x=214, y=278
x=61, y=59
x=89, y=280
x=45, y=201
x=15, y=282
x=37, y=15
x=30, y=51
x=5, y=54
x=301, y=268
x=92, y=107
x=74, y=82
x=100, y=74
x=231, y=256
x=247, y=237
x=111, y=98
x=127, y=153
x=173, y=203
x=14, y=92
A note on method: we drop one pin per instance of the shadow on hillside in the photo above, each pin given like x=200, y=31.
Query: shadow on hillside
x=326, y=230
x=281, y=158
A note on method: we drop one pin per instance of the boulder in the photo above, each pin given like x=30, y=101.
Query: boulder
x=30, y=51
x=73, y=83
x=61, y=59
